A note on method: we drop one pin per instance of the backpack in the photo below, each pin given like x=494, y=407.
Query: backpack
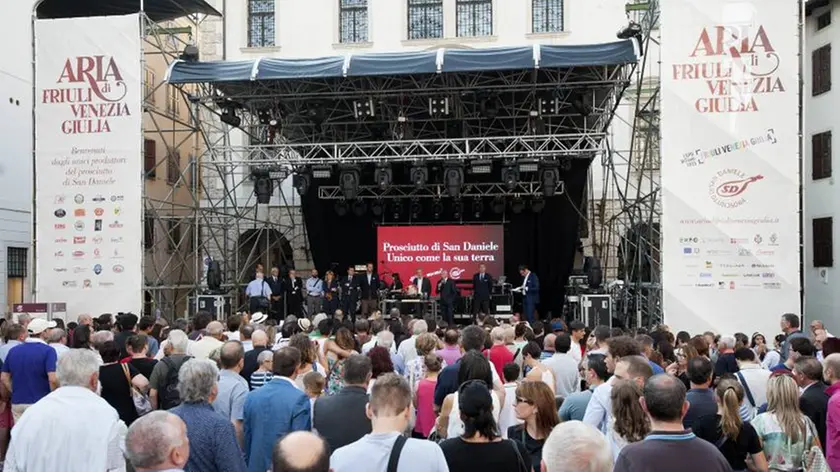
x=169, y=396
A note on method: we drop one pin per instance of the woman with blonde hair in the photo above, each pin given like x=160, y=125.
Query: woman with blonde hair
x=535, y=406
x=629, y=422
x=786, y=434
x=415, y=369
x=736, y=440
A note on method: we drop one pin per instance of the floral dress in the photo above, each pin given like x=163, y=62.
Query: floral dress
x=335, y=382
x=782, y=454
x=415, y=371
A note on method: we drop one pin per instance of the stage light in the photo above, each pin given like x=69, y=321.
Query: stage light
x=264, y=116
x=359, y=208
x=549, y=177
x=377, y=207
x=529, y=165
x=517, y=205
x=348, y=181
x=416, y=208
x=383, y=175
x=322, y=172
x=537, y=204
x=263, y=189
x=453, y=178
x=439, y=106
x=477, y=207
x=230, y=118
x=301, y=182
x=364, y=109
x=457, y=209
x=278, y=173
x=341, y=208
x=419, y=176
x=548, y=105
x=190, y=54
x=396, y=209
x=632, y=30
x=481, y=166
x=498, y=205
x=437, y=208
x=510, y=176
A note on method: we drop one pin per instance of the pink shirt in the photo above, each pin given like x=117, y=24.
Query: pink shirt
x=832, y=427
x=425, y=407
x=450, y=354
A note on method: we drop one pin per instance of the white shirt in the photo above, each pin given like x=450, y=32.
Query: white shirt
x=525, y=282
x=59, y=348
x=599, y=409
x=366, y=347
x=408, y=349
x=68, y=416
x=507, y=417
x=202, y=348
x=575, y=353
x=165, y=343
x=756, y=377
x=232, y=335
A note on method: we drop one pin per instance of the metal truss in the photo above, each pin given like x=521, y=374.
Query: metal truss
x=625, y=219
x=496, y=189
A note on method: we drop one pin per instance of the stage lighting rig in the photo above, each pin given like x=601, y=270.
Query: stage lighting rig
x=301, y=182
x=498, y=205
x=264, y=116
x=230, y=118
x=517, y=205
x=278, y=173
x=549, y=177
x=377, y=208
x=528, y=165
x=349, y=180
x=383, y=175
x=537, y=204
x=341, y=208
x=359, y=208
x=263, y=187
x=419, y=176
x=364, y=109
x=453, y=177
x=477, y=208
x=481, y=166
x=321, y=172
x=439, y=106
x=510, y=176
x=548, y=105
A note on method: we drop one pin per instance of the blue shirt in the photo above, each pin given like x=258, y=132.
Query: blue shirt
x=230, y=401
x=271, y=412
x=701, y=403
x=657, y=369
x=154, y=346
x=258, y=288
x=574, y=407
x=314, y=287
x=4, y=349
x=399, y=363
x=28, y=364
x=213, y=445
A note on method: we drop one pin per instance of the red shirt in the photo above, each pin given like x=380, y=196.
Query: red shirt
x=499, y=355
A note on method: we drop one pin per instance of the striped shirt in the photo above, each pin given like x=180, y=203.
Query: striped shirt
x=258, y=379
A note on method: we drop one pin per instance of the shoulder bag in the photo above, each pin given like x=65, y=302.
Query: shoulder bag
x=396, y=451
x=813, y=459
x=141, y=401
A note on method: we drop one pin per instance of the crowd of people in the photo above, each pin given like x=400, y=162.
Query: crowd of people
x=396, y=393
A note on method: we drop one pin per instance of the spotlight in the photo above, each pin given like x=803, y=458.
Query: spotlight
x=528, y=165
x=359, y=208
x=301, y=182
x=481, y=166
x=537, y=204
x=364, y=109
x=548, y=105
x=377, y=207
x=453, y=177
x=278, y=173
x=549, y=177
x=498, y=205
x=510, y=176
x=437, y=208
x=419, y=176
x=416, y=208
x=349, y=181
x=632, y=30
x=263, y=189
x=230, y=118
x=322, y=172
x=396, y=209
x=383, y=175
x=341, y=208
x=439, y=106
x=264, y=116
x=477, y=208
x=517, y=205
x=190, y=54
x=457, y=209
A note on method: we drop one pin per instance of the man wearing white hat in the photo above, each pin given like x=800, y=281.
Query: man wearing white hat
x=30, y=367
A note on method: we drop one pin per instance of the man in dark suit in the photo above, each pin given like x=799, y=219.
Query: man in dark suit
x=482, y=288
x=350, y=293
x=369, y=287
x=294, y=293
x=341, y=418
x=423, y=287
x=530, y=292
x=813, y=401
x=275, y=283
x=448, y=293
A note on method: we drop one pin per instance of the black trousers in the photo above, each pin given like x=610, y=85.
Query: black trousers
x=447, y=311
x=481, y=306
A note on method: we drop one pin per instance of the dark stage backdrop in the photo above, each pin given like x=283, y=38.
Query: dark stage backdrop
x=544, y=241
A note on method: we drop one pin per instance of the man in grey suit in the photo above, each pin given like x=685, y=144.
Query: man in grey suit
x=341, y=418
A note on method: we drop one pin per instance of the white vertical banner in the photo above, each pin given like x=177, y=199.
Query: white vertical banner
x=730, y=164
x=88, y=163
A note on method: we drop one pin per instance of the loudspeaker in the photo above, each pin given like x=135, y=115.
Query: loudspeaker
x=214, y=276
x=216, y=305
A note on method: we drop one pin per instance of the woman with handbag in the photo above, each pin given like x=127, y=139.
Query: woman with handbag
x=119, y=382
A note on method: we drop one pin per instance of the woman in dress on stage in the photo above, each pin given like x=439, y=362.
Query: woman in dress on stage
x=330, y=293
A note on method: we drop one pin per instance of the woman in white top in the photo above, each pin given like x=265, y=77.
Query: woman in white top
x=415, y=369
x=628, y=423
x=473, y=366
x=536, y=371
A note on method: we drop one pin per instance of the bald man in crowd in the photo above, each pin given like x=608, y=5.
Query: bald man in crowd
x=260, y=342
x=157, y=442
x=301, y=451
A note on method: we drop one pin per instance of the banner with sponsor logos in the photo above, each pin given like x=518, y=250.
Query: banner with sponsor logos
x=730, y=164
x=88, y=165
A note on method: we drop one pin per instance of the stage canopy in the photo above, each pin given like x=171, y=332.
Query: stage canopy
x=406, y=63
x=156, y=10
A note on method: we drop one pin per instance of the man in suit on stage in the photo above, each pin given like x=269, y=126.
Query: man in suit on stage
x=482, y=288
x=530, y=292
x=294, y=294
x=369, y=285
x=277, y=290
x=350, y=293
x=424, y=291
x=448, y=293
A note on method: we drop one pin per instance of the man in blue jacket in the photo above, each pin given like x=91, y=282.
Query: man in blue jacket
x=275, y=410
